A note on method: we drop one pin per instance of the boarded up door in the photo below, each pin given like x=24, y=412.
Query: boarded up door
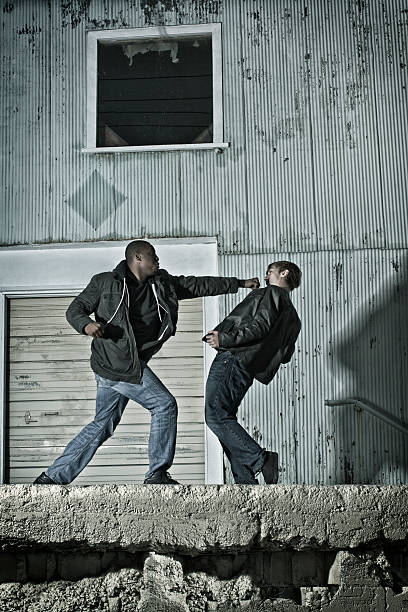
x=51, y=396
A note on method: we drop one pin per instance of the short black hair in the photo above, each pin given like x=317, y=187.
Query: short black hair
x=294, y=276
x=136, y=247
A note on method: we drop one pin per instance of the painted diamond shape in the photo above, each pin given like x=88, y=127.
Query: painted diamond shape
x=96, y=199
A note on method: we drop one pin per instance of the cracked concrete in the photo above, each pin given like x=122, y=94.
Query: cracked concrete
x=198, y=519
x=199, y=548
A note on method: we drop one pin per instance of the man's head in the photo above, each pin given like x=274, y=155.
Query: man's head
x=141, y=259
x=283, y=274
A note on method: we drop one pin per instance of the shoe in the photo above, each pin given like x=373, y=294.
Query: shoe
x=160, y=477
x=270, y=468
x=44, y=479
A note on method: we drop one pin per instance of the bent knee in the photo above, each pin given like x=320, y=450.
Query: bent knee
x=211, y=418
x=171, y=405
x=106, y=427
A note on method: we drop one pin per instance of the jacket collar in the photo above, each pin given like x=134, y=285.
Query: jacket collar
x=120, y=273
x=120, y=270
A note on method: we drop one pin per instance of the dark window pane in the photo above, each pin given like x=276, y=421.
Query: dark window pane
x=155, y=92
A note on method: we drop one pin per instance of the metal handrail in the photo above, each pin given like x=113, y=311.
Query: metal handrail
x=380, y=413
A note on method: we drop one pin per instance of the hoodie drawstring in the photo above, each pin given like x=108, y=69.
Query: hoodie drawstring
x=157, y=301
x=126, y=290
x=158, y=310
x=121, y=300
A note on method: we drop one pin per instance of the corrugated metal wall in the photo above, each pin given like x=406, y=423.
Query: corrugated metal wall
x=315, y=109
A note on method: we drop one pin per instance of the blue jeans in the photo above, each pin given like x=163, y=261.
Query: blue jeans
x=227, y=383
x=111, y=399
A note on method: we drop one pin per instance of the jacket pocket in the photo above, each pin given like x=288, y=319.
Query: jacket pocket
x=114, y=356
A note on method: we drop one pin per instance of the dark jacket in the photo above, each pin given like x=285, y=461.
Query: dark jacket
x=115, y=355
x=261, y=331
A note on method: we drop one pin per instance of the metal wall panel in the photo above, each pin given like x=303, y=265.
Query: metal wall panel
x=314, y=108
x=103, y=196
x=340, y=78
x=390, y=66
x=25, y=122
x=277, y=132
x=353, y=344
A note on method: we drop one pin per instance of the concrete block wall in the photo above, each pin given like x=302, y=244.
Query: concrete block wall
x=199, y=548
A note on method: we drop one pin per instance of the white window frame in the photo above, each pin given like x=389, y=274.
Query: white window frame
x=130, y=35
x=65, y=269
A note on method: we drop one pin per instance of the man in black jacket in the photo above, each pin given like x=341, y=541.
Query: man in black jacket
x=136, y=309
x=252, y=342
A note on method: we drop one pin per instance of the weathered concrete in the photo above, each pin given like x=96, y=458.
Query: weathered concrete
x=198, y=519
x=197, y=549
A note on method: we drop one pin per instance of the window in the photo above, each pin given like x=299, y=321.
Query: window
x=155, y=89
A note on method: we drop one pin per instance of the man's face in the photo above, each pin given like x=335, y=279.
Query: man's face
x=272, y=276
x=149, y=262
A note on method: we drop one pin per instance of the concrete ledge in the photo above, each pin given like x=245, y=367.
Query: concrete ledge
x=204, y=548
x=196, y=519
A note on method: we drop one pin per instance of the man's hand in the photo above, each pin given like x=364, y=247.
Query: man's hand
x=252, y=283
x=211, y=338
x=95, y=330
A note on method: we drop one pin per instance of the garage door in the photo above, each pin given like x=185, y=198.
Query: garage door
x=51, y=395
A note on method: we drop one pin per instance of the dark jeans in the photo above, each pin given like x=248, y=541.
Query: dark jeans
x=227, y=383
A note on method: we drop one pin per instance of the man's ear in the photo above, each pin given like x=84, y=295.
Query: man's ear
x=137, y=257
x=284, y=273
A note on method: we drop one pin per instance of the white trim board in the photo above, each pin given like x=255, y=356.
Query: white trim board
x=65, y=269
x=149, y=33
x=217, y=146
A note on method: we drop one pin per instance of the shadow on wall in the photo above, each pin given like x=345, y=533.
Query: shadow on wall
x=372, y=354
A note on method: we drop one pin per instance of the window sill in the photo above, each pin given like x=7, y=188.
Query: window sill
x=144, y=148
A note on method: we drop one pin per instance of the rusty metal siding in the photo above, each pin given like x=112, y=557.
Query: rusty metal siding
x=315, y=109
x=353, y=343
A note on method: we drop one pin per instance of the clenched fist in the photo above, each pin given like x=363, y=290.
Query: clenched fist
x=94, y=329
x=211, y=338
x=252, y=283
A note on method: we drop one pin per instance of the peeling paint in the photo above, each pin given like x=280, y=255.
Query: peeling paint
x=258, y=75
x=74, y=11
x=395, y=265
x=31, y=31
x=259, y=27
x=100, y=24
x=256, y=434
x=166, y=12
x=348, y=471
x=373, y=342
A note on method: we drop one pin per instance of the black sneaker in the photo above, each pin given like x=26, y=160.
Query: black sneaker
x=44, y=479
x=160, y=477
x=270, y=468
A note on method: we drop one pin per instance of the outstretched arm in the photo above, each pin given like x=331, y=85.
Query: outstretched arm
x=251, y=283
x=188, y=287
